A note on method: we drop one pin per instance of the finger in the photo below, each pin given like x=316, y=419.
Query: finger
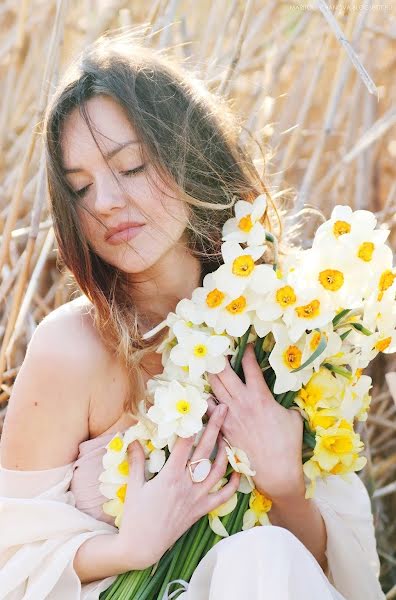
x=215, y=499
x=230, y=380
x=251, y=369
x=219, y=390
x=181, y=452
x=211, y=405
x=219, y=466
x=136, y=460
x=208, y=440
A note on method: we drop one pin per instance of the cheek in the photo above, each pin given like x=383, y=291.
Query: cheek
x=167, y=215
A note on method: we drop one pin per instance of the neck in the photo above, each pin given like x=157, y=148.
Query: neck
x=157, y=290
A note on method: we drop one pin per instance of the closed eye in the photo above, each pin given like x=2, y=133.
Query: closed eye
x=133, y=171
x=80, y=193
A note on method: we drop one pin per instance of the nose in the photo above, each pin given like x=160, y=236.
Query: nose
x=109, y=195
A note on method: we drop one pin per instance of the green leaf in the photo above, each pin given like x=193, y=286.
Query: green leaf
x=320, y=348
x=340, y=316
x=361, y=328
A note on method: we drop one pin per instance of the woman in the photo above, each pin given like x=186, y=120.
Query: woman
x=143, y=167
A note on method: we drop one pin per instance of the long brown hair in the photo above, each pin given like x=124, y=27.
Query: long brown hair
x=188, y=134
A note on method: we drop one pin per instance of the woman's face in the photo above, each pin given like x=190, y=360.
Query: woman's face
x=157, y=218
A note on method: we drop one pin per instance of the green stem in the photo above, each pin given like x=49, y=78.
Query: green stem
x=146, y=592
x=241, y=351
x=288, y=399
x=189, y=569
x=242, y=508
x=176, y=554
x=115, y=586
x=203, y=527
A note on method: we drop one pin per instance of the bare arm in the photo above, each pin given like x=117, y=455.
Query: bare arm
x=303, y=518
x=100, y=557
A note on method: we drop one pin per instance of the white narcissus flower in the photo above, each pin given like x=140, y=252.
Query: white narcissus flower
x=312, y=341
x=114, y=508
x=199, y=351
x=356, y=399
x=380, y=315
x=344, y=223
x=332, y=275
x=224, y=509
x=116, y=451
x=245, y=227
x=240, y=272
x=287, y=355
x=239, y=461
x=312, y=310
x=177, y=409
x=271, y=306
x=259, y=505
x=221, y=311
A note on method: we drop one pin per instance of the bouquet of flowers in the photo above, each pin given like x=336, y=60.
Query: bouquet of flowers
x=316, y=321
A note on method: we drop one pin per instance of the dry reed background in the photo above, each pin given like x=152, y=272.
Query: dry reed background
x=316, y=87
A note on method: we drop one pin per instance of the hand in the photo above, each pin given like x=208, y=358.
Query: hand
x=157, y=512
x=270, y=434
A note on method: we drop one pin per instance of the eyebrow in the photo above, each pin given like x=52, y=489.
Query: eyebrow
x=108, y=155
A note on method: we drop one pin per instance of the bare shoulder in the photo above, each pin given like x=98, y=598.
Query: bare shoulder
x=48, y=412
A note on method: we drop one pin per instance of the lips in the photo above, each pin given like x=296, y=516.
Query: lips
x=123, y=232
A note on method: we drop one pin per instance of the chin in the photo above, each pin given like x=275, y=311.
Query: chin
x=133, y=261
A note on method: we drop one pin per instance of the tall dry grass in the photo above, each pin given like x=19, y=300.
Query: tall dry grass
x=316, y=88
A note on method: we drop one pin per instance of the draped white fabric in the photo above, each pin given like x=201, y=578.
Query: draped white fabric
x=41, y=531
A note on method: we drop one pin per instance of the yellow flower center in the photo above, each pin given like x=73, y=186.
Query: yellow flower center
x=121, y=492
x=338, y=468
x=116, y=444
x=260, y=503
x=365, y=251
x=341, y=228
x=243, y=265
x=214, y=298
x=386, y=280
x=358, y=373
x=123, y=468
x=183, y=407
x=200, y=350
x=185, y=368
x=292, y=357
x=237, y=306
x=309, y=311
x=311, y=394
x=150, y=446
x=345, y=424
x=278, y=274
x=318, y=420
x=285, y=296
x=315, y=340
x=331, y=279
x=338, y=445
x=383, y=344
x=245, y=223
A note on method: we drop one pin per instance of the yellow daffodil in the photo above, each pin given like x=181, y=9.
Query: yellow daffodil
x=259, y=505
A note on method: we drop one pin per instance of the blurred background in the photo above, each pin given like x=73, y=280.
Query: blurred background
x=315, y=84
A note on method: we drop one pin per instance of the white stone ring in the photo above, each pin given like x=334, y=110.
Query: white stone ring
x=201, y=471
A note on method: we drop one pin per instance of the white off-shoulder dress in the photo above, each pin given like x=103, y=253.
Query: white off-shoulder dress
x=46, y=515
